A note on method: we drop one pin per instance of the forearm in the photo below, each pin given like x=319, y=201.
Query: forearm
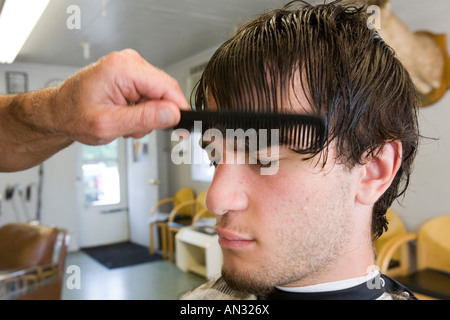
x=91, y=107
x=26, y=136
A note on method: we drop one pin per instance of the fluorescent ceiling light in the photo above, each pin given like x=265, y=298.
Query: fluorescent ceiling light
x=17, y=20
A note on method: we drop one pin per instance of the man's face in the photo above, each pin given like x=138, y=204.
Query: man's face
x=281, y=229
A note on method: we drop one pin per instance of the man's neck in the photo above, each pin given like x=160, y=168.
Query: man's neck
x=356, y=261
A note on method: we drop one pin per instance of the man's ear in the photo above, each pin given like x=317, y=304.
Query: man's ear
x=378, y=172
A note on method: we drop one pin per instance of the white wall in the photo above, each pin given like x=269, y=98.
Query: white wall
x=428, y=195
x=429, y=192
x=59, y=205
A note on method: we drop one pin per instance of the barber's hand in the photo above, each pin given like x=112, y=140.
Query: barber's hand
x=119, y=95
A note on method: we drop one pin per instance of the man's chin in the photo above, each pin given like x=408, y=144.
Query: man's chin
x=246, y=281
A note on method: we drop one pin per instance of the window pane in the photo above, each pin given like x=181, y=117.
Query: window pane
x=101, y=174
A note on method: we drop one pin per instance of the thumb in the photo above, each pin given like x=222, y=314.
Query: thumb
x=167, y=115
x=147, y=116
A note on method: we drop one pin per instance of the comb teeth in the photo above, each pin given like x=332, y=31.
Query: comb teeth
x=303, y=133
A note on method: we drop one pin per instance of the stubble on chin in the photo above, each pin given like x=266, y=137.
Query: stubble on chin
x=246, y=282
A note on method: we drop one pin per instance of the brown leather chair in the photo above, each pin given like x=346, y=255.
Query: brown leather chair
x=32, y=261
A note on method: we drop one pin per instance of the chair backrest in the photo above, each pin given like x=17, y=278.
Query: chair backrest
x=395, y=227
x=183, y=195
x=201, y=200
x=433, y=244
x=29, y=248
x=24, y=245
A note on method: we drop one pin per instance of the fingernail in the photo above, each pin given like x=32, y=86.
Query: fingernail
x=165, y=117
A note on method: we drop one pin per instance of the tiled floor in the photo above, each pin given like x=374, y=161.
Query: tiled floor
x=155, y=280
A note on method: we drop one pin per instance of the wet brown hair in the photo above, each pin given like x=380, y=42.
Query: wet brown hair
x=349, y=75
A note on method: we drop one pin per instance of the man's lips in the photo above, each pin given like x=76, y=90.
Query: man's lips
x=233, y=239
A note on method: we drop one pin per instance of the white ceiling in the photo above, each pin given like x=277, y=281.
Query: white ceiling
x=163, y=31
x=167, y=31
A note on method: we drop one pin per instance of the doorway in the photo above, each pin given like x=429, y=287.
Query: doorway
x=121, y=182
x=104, y=215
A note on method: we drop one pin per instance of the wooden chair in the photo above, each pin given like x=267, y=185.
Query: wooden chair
x=431, y=280
x=399, y=263
x=173, y=226
x=160, y=221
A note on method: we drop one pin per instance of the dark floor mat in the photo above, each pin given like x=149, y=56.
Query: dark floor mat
x=121, y=254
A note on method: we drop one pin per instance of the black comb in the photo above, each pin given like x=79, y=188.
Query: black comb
x=301, y=132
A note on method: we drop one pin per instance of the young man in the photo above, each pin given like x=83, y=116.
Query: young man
x=307, y=231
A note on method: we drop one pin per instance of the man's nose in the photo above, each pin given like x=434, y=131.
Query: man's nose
x=227, y=191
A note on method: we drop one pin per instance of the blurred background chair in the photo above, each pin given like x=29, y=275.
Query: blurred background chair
x=159, y=220
x=200, y=212
x=32, y=261
x=400, y=260
x=431, y=279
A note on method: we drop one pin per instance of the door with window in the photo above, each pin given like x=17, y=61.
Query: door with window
x=104, y=215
